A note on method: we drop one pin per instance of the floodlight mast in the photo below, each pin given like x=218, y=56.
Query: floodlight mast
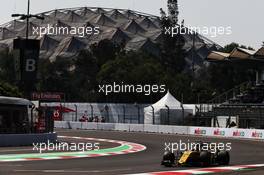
x=24, y=84
x=28, y=9
x=27, y=17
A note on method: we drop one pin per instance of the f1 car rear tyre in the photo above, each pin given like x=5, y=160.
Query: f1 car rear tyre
x=205, y=158
x=223, y=158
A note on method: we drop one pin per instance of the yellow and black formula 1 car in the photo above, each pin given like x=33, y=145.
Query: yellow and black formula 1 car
x=196, y=158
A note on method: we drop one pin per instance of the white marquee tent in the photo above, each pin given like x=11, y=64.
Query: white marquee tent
x=160, y=111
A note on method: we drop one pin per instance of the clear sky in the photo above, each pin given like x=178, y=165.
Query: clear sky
x=244, y=16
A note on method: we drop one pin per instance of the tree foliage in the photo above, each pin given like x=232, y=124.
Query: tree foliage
x=7, y=66
x=8, y=90
x=173, y=55
x=79, y=77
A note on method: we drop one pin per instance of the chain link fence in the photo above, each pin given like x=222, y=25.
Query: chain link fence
x=125, y=113
x=102, y=112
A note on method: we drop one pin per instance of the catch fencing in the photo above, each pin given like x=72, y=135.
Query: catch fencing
x=112, y=113
x=123, y=113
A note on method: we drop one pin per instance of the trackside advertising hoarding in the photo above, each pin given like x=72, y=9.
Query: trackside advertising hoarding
x=227, y=132
x=188, y=130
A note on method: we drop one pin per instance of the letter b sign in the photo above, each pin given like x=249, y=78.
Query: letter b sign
x=30, y=65
x=27, y=58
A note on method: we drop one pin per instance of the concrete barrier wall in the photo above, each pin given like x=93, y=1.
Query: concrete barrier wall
x=166, y=129
x=136, y=127
x=26, y=139
x=61, y=124
x=199, y=131
x=122, y=127
x=75, y=125
x=151, y=128
x=180, y=130
x=106, y=126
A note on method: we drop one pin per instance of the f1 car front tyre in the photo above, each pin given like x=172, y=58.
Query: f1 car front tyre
x=168, y=159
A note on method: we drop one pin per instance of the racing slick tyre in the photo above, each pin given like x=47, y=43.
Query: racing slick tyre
x=223, y=158
x=168, y=159
x=205, y=158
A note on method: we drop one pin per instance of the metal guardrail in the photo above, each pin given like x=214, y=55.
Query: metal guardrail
x=225, y=97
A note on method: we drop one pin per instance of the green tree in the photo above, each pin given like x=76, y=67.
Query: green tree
x=7, y=66
x=105, y=50
x=84, y=77
x=173, y=55
x=57, y=77
x=136, y=68
x=230, y=47
x=8, y=90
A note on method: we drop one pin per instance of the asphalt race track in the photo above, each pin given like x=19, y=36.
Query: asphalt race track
x=243, y=152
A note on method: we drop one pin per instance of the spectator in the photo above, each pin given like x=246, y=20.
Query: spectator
x=90, y=119
x=96, y=119
x=83, y=119
x=85, y=114
x=102, y=120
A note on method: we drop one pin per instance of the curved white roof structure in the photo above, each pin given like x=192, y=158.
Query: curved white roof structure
x=134, y=28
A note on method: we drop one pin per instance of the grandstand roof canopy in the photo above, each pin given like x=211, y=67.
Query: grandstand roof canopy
x=260, y=52
x=214, y=55
x=237, y=54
